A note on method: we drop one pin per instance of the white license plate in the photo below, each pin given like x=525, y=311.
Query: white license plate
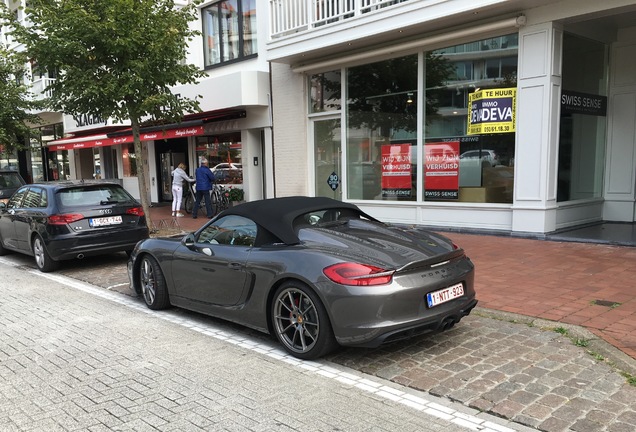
x=447, y=294
x=105, y=221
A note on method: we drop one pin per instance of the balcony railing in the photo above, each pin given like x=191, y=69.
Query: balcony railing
x=38, y=88
x=293, y=16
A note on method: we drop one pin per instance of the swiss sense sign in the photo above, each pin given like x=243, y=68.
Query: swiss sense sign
x=147, y=136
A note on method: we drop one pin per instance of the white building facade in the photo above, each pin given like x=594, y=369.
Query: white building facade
x=514, y=115
x=233, y=127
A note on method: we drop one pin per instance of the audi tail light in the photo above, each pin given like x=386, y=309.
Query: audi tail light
x=135, y=211
x=63, y=219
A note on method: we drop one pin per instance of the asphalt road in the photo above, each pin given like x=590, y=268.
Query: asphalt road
x=519, y=369
x=75, y=356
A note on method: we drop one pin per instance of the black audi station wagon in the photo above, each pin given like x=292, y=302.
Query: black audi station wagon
x=57, y=221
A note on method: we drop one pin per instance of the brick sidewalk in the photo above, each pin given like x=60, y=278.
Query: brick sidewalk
x=589, y=285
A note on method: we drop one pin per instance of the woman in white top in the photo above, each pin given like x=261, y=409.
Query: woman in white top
x=178, y=177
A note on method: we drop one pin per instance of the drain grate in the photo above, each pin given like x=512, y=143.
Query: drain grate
x=607, y=303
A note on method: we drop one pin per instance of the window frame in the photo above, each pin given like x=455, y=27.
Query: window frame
x=223, y=44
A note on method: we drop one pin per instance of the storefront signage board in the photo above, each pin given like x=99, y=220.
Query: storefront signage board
x=441, y=170
x=583, y=103
x=396, y=170
x=147, y=136
x=492, y=111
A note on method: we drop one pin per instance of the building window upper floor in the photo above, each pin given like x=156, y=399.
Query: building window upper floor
x=229, y=31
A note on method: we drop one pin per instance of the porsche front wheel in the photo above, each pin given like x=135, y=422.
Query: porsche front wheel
x=153, y=284
x=300, y=322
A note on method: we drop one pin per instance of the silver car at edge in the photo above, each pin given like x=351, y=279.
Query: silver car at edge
x=314, y=272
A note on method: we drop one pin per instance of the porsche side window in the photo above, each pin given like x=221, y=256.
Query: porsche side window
x=230, y=230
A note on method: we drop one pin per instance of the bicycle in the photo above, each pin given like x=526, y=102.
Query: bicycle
x=218, y=196
x=189, y=199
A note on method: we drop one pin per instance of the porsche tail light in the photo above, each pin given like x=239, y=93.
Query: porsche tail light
x=355, y=274
x=136, y=211
x=63, y=219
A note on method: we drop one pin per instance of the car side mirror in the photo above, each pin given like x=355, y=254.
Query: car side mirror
x=188, y=240
x=3, y=205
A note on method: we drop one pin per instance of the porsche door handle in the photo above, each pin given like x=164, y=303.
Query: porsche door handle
x=235, y=266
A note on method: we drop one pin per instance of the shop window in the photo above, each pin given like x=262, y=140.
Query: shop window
x=37, y=171
x=8, y=160
x=224, y=153
x=467, y=155
x=324, y=93
x=97, y=164
x=382, y=130
x=229, y=31
x=58, y=165
x=583, y=119
x=464, y=163
x=129, y=160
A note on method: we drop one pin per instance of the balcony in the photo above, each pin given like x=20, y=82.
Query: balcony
x=292, y=16
x=309, y=34
x=39, y=88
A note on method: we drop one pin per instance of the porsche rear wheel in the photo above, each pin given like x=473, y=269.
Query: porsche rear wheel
x=43, y=260
x=300, y=321
x=153, y=284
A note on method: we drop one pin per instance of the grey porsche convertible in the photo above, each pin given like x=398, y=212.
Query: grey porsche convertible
x=315, y=272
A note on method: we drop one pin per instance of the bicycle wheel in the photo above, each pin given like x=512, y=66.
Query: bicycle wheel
x=224, y=202
x=188, y=203
x=214, y=198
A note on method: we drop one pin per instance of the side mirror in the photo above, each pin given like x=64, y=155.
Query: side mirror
x=188, y=241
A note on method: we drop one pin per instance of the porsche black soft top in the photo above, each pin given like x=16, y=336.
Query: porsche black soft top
x=277, y=215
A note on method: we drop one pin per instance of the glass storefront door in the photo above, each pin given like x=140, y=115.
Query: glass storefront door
x=583, y=119
x=328, y=158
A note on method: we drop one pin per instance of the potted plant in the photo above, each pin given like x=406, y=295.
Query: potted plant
x=236, y=195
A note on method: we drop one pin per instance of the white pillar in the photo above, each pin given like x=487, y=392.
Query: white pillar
x=620, y=168
x=537, y=137
x=290, y=151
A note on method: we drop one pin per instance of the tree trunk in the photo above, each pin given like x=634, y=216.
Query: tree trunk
x=143, y=169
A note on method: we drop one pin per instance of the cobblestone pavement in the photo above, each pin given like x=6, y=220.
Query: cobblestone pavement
x=74, y=356
x=541, y=374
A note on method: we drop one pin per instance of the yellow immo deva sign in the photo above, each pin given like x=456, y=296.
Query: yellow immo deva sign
x=492, y=111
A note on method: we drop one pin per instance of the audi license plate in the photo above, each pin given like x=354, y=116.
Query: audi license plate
x=105, y=221
x=447, y=294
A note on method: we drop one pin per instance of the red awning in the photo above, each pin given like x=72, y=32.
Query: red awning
x=79, y=143
x=104, y=140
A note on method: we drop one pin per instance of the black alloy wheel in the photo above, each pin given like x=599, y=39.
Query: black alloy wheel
x=153, y=284
x=43, y=260
x=300, y=321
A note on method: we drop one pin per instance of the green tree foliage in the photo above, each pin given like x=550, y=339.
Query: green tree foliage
x=115, y=59
x=16, y=105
